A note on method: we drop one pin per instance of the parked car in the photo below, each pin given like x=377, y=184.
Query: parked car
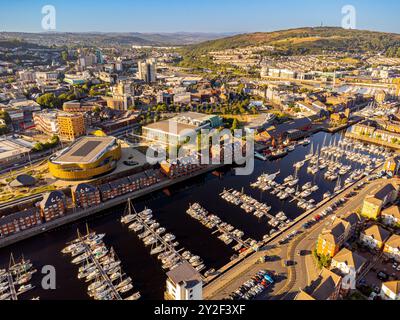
x=372, y=296
x=383, y=276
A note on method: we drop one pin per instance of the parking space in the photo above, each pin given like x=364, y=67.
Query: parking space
x=383, y=271
x=254, y=287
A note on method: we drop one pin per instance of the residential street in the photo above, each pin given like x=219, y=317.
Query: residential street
x=297, y=276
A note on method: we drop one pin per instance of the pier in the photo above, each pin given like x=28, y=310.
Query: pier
x=166, y=246
x=96, y=264
x=13, y=292
x=249, y=201
x=104, y=274
x=243, y=243
x=205, y=219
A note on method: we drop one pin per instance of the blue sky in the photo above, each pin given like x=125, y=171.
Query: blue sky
x=196, y=16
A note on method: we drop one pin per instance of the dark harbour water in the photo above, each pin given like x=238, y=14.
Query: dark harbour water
x=170, y=210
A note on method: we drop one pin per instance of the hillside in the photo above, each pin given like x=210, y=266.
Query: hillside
x=110, y=39
x=306, y=40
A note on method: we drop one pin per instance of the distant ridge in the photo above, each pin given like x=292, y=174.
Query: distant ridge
x=112, y=38
x=306, y=40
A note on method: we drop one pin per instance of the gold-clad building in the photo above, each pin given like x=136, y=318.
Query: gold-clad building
x=87, y=158
x=71, y=126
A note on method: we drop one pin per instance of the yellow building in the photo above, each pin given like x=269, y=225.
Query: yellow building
x=392, y=165
x=87, y=158
x=71, y=126
x=374, y=203
x=331, y=239
x=371, y=208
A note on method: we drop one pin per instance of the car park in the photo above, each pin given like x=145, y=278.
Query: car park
x=253, y=287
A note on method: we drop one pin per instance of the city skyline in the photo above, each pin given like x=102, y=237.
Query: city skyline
x=208, y=17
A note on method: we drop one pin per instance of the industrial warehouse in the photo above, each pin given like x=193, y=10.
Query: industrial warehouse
x=87, y=158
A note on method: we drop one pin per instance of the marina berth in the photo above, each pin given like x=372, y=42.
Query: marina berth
x=14, y=281
x=99, y=267
x=161, y=242
x=228, y=233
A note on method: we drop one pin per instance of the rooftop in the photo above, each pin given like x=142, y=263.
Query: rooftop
x=393, y=211
x=184, y=273
x=85, y=150
x=394, y=241
x=325, y=285
x=184, y=121
x=170, y=127
x=393, y=286
x=350, y=258
x=377, y=232
x=10, y=147
x=23, y=180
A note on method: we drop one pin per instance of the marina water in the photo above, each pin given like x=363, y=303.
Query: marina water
x=169, y=208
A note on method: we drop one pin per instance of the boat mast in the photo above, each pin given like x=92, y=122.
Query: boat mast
x=79, y=234
x=12, y=261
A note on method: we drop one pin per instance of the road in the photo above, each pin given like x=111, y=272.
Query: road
x=289, y=279
x=304, y=270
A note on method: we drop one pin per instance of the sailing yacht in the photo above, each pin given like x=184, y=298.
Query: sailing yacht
x=131, y=214
x=338, y=186
x=327, y=195
x=311, y=154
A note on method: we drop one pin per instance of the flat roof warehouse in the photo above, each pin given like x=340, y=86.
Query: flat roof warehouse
x=185, y=121
x=85, y=150
x=12, y=147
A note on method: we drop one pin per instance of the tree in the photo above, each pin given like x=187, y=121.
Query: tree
x=49, y=100
x=64, y=56
x=3, y=129
x=235, y=124
x=5, y=116
x=38, y=147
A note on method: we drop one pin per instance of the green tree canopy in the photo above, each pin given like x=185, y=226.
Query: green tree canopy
x=49, y=100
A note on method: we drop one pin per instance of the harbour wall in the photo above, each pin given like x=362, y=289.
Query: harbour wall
x=78, y=214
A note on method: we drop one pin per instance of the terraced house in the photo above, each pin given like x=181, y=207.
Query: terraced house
x=349, y=265
x=391, y=216
x=374, y=203
x=392, y=247
x=374, y=237
x=380, y=131
x=326, y=287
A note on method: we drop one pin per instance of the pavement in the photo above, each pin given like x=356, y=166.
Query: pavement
x=289, y=279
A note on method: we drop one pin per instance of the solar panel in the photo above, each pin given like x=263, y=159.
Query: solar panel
x=86, y=148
